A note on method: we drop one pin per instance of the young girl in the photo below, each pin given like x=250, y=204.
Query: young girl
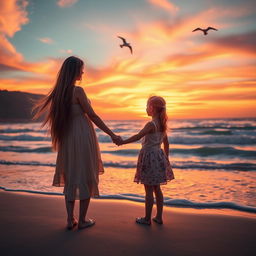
x=69, y=115
x=153, y=167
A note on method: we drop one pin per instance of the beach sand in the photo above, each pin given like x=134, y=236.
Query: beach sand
x=35, y=225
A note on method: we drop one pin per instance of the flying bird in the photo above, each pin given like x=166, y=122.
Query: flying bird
x=204, y=30
x=125, y=43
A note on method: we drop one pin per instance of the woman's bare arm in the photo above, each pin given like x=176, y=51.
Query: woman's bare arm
x=147, y=129
x=87, y=108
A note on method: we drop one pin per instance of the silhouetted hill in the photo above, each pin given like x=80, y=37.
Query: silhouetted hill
x=16, y=106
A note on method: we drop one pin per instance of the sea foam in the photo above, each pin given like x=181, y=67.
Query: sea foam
x=167, y=201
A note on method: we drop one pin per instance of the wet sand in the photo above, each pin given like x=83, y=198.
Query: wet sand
x=35, y=225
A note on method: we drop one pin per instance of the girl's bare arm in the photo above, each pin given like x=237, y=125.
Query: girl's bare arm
x=147, y=129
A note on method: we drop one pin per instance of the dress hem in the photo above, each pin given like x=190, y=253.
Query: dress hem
x=161, y=183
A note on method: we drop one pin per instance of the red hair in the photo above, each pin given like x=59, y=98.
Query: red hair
x=159, y=106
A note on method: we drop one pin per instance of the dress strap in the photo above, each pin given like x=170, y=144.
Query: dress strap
x=154, y=125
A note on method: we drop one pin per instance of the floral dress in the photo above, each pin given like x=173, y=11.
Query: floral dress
x=153, y=167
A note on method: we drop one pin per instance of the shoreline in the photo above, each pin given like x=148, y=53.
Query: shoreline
x=35, y=225
x=177, y=208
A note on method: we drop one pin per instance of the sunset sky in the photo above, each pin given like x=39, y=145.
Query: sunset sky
x=199, y=76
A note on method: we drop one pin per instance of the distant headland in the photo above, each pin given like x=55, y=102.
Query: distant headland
x=16, y=106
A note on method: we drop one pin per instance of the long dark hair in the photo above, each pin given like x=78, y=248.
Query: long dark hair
x=159, y=106
x=58, y=101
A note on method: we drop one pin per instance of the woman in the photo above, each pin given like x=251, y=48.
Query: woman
x=69, y=116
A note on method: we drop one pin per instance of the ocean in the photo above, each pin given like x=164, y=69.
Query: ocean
x=214, y=162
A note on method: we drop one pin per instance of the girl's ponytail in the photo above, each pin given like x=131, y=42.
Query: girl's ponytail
x=163, y=119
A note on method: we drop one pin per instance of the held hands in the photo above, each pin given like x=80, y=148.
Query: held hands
x=117, y=140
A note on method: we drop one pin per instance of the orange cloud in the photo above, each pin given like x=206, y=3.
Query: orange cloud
x=165, y=31
x=66, y=3
x=46, y=40
x=165, y=5
x=8, y=54
x=68, y=51
x=33, y=85
x=13, y=15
